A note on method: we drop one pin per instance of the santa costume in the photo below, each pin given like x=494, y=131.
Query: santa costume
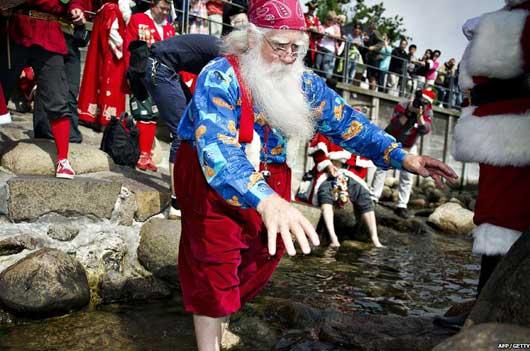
x=103, y=88
x=142, y=26
x=494, y=129
x=324, y=152
x=5, y=116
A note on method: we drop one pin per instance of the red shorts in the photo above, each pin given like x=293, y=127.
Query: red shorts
x=223, y=255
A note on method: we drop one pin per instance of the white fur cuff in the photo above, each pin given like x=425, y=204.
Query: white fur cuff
x=493, y=240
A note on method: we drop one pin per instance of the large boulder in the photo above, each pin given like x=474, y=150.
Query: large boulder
x=47, y=281
x=486, y=337
x=453, y=218
x=37, y=157
x=115, y=288
x=33, y=196
x=506, y=296
x=158, y=249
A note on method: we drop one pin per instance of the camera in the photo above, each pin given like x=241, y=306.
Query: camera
x=418, y=99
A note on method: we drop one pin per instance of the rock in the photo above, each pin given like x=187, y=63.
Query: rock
x=434, y=195
x=452, y=218
x=37, y=157
x=45, y=282
x=118, y=288
x=32, y=197
x=472, y=205
x=456, y=201
x=485, y=337
x=395, y=196
x=150, y=200
x=312, y=213
x=158, y=249
x=386, y=194
x=16, y=244
x=391, y=182
x=355, y=245
x=4, y=194
x=506, y=296
x=411, y=225
x=427, y=184
x=417, y=203
x=125, y=208
x=460, y=308
x=62, y=232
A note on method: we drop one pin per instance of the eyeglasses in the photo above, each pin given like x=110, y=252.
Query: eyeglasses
x=281, y=49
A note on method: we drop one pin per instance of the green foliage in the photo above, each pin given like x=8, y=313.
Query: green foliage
x=362, y=13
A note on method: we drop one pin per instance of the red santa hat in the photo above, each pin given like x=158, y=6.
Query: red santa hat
x=428, y=95
x=277, y=14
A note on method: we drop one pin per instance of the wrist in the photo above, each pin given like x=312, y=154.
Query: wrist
x=397, y=158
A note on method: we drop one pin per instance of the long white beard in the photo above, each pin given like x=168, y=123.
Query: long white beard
x=277, y=91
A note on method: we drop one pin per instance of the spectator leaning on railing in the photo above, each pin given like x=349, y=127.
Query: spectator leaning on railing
x=325, y=60
x=445, y=80
x=374, y=42
x=384, y=63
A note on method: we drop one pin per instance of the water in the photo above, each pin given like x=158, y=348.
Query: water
x=416, y=275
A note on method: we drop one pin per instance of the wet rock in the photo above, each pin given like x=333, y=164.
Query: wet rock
x=472, y=205
x=4, y=194
x=118, y=288
x=411, y=225
x=460, y=308
x=150, y=200
x=45, y=282
x=486, y=337
x=434, y=195
x=427, y=184
x=158, y=249
x=417, y=203
x=391, y=182
x=16, y=244
x=386, y=194
x=37, y=157
x=452, y=218
x=32, y=197
x=506, y=296
x=125, y=208
x=355, y=245
x=62, y=232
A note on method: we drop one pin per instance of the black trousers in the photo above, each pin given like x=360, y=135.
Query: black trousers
x=49, y=72
x=487, y=266
x=72, y=68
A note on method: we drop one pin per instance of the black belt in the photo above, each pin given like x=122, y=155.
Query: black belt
x=501, y=90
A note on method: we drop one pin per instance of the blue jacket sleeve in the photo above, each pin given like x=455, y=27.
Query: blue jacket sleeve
x=215, y=113
x=349, y=128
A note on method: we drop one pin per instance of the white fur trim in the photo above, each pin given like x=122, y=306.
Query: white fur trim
x=253, y=150
x=318, y=147
x=465, y=81
x=498, y=140
x=342, y=155
x=496, y=49
x=125, y=9
x=493, y=240
x=321, y=166
x=5, y=118
x=356, y=178
x=360, y=162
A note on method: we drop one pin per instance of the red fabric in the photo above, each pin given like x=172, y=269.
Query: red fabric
x=142, y=27
x=188, y=77
x=214, y=7
x=27, y=82
x=146, y=137
x=312, y=21
x=515, y=106
x=246, y=122
x=395, y=128
x=503, y=197
x=61, y=133
x=223, y=256
x=285, y=14
x=4, y=113
x=27, y=31
x=103, y=88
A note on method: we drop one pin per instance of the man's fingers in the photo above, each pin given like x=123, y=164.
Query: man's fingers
x=272, y=230
x=299, y=234
x=287, y=240
x=438, y=181
x=310, y=231
x=446, y=171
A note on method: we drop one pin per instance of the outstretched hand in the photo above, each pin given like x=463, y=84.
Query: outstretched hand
x=281, y=217
x=429, y=167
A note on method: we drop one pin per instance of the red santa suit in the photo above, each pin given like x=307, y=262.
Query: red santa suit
x=313, y=21
x=5, y=116
x=494, y=130
x=103, y=88
x=323, y=152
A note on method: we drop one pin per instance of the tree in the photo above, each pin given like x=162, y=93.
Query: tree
x=362, y=13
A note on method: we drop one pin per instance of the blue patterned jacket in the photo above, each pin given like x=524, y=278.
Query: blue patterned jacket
x=211, y=123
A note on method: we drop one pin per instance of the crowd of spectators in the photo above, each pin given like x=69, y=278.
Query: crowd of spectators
x=365, y=56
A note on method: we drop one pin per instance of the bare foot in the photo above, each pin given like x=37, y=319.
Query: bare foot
x=378, y=244
x=334, y=245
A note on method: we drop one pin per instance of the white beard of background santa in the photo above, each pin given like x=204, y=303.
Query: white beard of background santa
x=494, y=130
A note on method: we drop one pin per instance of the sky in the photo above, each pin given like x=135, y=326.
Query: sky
x=437, y=24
